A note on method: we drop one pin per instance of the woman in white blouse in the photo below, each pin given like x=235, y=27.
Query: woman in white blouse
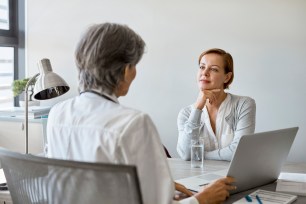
x=95, y=127
x=219, y=117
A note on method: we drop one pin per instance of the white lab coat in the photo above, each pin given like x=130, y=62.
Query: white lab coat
x=95, y=129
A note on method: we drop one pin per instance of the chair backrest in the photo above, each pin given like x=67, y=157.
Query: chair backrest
x=34, y=179
x=167, y=153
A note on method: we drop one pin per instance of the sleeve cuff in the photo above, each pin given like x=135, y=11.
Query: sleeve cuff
x=195, y=116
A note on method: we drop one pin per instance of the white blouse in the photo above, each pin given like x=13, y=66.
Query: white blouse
x=236, y=117
x=224, y=133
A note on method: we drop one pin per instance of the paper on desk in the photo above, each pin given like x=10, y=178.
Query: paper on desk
x=2, y=177
x=293, y=183
x=296, y=177
x=269, y=197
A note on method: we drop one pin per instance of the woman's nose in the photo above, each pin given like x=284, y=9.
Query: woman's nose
x=205, y=72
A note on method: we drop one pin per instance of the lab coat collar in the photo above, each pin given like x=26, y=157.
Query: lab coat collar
x=111, y=97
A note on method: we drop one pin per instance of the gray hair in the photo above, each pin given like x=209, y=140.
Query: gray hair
x=103, y=53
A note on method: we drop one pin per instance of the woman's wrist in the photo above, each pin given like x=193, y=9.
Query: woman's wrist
x=201, y=199
x=199, y=105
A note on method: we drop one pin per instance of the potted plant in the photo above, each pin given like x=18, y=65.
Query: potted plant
x=18, y=88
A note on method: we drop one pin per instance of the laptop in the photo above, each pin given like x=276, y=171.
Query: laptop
x=257, y=161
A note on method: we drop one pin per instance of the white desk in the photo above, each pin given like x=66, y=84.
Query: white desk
x=181, y=169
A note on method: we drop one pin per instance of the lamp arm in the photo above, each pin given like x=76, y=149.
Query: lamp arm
x=26, y=113
x=31, y=92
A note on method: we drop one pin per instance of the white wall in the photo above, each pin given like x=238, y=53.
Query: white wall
x=266, y=38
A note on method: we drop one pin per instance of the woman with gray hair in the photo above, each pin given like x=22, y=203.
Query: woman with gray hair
x=94, y=127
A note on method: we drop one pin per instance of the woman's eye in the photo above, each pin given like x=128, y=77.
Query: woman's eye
x=202, y=67
x=214, y=69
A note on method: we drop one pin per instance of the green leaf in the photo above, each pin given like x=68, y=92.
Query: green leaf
x=18, y=86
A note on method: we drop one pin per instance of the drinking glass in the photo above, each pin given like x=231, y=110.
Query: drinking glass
x=197, y=153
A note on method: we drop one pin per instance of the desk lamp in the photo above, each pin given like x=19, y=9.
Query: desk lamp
x=48, y=85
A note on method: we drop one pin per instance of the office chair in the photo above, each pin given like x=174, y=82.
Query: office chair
x=167, y=152
x=33, y=179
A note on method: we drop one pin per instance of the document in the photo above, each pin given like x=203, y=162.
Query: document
x=267, y=197
x=3, y=184
x=2, y=177
x=293, y=183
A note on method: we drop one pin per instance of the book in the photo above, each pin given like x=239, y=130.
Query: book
x=268, y=197
x=293, y=183
x=2, y=177
x=5, y=196
x=33, y=112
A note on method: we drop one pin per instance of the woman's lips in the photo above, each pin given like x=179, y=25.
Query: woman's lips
x=204, y=81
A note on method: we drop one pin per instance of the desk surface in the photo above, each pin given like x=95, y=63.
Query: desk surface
x=181, y=169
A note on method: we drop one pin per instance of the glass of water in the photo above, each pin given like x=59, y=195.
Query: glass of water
x=197, y=153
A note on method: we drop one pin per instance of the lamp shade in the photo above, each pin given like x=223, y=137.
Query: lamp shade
x=48, y=84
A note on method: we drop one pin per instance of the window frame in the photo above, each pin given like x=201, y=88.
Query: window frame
x=15, y=37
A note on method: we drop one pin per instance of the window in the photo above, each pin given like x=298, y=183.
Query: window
x=11, y=48
x=6, y=76
x=4, y=15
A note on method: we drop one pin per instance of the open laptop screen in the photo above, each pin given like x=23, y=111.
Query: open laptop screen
x=257, y=161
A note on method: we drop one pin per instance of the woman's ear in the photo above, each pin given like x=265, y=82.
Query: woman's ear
x=126, y=72
x=228, y=77
x=122, y=87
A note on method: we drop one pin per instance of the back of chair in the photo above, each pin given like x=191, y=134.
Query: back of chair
x=33, y=179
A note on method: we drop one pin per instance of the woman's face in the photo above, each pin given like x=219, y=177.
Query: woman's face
x=211, y=73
